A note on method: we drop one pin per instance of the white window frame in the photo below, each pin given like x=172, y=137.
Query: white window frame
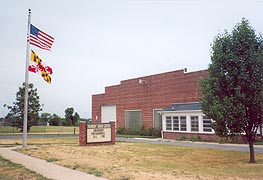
x=196, y=123
x=166, y=118
x=206, y=118
x=180, y=124
x=188, y=115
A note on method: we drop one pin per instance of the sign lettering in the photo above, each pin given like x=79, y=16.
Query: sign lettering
x=98, y=132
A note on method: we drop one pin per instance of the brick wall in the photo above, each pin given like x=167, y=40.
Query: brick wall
x=82, y=133
x=179, y=135
x=204, y=137
x=154, y=92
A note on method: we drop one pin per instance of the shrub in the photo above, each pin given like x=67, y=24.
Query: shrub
x=142, y=132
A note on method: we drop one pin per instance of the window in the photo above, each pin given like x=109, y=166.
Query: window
x=207, y=124
x=168, y=123
x=133, y=120
x=194, y=123
x=183, y=123
x=175, y=123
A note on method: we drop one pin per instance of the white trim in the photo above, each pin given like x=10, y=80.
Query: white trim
x=133, y=110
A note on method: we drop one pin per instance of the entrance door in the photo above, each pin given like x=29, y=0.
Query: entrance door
x=108, y=113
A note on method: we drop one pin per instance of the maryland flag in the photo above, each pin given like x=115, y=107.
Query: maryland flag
x=39, y=67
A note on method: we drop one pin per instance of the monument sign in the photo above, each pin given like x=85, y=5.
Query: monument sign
x=98, y=132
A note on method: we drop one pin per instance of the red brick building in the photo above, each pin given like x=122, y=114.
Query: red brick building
x=136, y=102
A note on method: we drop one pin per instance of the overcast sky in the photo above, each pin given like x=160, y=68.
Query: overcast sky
x=98, y=43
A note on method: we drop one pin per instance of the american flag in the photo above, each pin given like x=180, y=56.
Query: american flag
x=40, y=39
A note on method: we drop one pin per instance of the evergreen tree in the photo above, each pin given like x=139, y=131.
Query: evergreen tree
x=17, y=110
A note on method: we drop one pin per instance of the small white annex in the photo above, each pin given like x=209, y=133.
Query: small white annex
x=185, y=118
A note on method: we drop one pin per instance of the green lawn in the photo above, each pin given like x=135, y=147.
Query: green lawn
x=41, y=130
x=12, y=171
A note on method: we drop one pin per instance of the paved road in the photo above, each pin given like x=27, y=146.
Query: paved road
x=30, y=136
x=233, y=147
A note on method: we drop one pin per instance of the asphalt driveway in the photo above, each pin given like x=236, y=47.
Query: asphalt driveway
x=233, y=147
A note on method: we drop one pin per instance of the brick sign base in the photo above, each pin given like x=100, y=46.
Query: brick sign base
x=83, y=135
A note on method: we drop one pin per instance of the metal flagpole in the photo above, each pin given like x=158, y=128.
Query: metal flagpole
x=26, y=82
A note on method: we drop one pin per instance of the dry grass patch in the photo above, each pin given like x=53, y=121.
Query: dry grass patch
x=127, y=161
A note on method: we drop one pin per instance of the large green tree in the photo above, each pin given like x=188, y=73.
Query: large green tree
x=233, y=92
x=76, y=119
x=71, y=119
x=55, y=120
x=16, y=111
x=45, y=118
x=69, y=116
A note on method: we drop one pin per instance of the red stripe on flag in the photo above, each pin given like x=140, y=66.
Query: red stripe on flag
x=47, y=36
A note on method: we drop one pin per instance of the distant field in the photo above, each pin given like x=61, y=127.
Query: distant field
x=42, y=130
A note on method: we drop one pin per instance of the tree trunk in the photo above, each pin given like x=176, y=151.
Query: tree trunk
x=251, y=150
x=260, y=129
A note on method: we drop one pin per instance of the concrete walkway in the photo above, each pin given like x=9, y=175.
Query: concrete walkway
x=45, y=168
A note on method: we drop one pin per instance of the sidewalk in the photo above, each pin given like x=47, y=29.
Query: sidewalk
x=45, y=168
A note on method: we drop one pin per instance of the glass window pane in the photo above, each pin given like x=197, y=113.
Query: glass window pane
x=133, y=120
x=175, y=123
x=194, y=123
x=183, y=123
x=207, y=124
x=168, y=123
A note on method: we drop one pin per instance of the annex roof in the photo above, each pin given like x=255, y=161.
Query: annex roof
x=195, y=106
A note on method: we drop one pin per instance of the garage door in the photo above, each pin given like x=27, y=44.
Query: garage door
x=108, y=113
